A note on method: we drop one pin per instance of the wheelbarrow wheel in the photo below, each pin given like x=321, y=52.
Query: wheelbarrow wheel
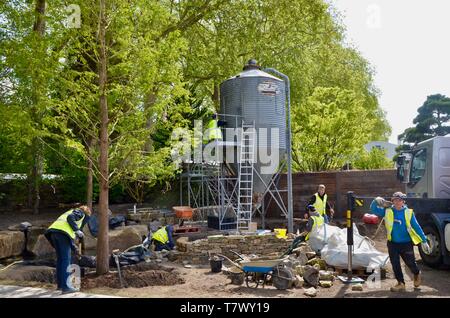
x=252, y=280
x=282, y=278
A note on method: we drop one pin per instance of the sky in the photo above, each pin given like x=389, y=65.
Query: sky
x=407, y=42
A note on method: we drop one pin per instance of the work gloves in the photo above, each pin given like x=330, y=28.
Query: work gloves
x=382, y=203
x=79, y=234
x=426, y=248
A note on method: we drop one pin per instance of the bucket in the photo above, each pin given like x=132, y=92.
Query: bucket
x=280, y=233
x=216, y=264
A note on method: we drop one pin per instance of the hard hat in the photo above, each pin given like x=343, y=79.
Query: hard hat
x=399, y=195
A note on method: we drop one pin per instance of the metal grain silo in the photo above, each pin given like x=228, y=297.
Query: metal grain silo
x=258, y=97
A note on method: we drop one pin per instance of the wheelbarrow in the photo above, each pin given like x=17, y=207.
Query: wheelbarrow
x=258, y=272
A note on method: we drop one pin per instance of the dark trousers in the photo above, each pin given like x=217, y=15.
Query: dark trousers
x=406, y=252
x=160, y=246
x=62, y=243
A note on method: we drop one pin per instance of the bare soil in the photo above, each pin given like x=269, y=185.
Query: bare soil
x=132, y=278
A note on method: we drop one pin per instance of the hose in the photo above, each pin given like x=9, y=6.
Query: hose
x=13, y=263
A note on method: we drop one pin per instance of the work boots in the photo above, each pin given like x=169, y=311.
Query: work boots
x=417, y=280
x=400, y=287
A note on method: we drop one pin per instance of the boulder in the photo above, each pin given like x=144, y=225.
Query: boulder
x=325, y=283
x=173, y=255
x=288, y=263
x=182, y=244
x=311, y=276
x=303, y=249
x=310, y=292
x=11, y=243
x=119, y=238
x=298, y=282
x=43, y=248
x=302, y=259
x=326, y=275
x=20, y=272
x=300, y=270
x=123, y=238
x=33, y=236
x=90, y=242
x=310, y=254
x=318, y=261
x=140, y=228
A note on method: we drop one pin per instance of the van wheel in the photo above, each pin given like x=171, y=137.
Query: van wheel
x=435, y=258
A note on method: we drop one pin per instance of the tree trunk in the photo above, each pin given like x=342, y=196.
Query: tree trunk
x=39, y=23
x=36, y=174
x=36, y=169
x=102, y=238
x=149, y=102
x=89, y=183
x=215, y=96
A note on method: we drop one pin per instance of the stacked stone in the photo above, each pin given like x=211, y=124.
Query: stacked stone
x=197, y=252
x=147, y=216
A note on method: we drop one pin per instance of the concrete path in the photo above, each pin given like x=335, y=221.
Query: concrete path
x=7, y=291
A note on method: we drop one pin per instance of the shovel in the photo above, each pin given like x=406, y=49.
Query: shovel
x=116, y=258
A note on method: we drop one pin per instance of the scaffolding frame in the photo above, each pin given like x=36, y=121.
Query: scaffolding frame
x=222, y=188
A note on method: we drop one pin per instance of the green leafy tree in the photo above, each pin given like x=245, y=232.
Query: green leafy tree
x=330, y=130
x=373, y=159
x=433, y=120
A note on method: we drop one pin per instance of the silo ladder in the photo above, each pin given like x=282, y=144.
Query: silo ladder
x=245, y=194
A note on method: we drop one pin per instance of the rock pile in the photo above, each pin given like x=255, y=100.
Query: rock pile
x=197, y=252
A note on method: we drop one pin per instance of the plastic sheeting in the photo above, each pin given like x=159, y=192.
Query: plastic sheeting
x=114, y=222
x=331, y=241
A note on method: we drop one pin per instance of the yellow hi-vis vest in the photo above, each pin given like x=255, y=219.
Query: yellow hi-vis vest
x=389, y=223
x=212, y=131
x=319, y=204
x=161, y=235
x=62, y=224
x=318, y=221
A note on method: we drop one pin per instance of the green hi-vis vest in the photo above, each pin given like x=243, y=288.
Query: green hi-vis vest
x=389, y=222
x=212, y=131
x=318, y=221
x=161, y=235
x=319, y=204
x=62, y=224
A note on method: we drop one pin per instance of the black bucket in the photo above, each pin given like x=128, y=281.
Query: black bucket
x=216, y=264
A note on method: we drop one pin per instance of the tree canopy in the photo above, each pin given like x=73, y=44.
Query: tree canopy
x=432, y=120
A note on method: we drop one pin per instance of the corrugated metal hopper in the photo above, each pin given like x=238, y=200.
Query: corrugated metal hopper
x=254, y=96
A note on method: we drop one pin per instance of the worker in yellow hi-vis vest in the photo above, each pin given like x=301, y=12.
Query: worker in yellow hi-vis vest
x=62, y=235
x=163, y=238
x=213, y=131
x=315, y=220
x=403, y=232
x=321, y=203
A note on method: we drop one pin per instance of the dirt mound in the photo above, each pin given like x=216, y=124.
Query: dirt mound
x=133, y=278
